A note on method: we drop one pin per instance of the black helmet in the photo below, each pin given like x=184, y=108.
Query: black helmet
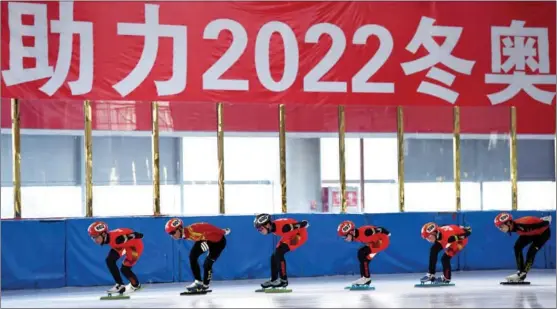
x=261, y=220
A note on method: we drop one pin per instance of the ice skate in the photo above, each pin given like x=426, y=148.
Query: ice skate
x=274, y=286
x=117, y=289
x=268, y=284
x=196, y=286
x=116, y=292
x=428, y=278
x=442, y=280
x=130, y=288
x=362, y=282
x=519, y=276
x=279, y=283
x=433, y=282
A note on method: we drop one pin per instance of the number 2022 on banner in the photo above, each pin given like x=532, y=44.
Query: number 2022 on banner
x=212, y=78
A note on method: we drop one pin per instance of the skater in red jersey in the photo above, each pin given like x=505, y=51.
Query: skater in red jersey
x=293, y=235
x=531, y=230
x=122, y=241
x=206, y=237
x=376, y=239
x=452, y=238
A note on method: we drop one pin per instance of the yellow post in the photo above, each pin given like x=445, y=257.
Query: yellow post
x=341, y=157
x=282, y=150
x=456, y=154
x=156, y=158
x=16, y=158
x=220, y=150
x=88, y=145
x=400, y=155
x=514, y=162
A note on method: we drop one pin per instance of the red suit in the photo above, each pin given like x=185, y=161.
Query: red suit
x=289, y=235
x=132, y=248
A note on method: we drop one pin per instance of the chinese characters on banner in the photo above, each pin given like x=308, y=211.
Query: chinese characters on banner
x=466, y=54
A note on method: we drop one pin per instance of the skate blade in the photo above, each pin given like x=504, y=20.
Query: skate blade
x=432, y=285
x=360, y=288
x=274, y=290
x=195, y=292
x=515, y=283
x=114, y=297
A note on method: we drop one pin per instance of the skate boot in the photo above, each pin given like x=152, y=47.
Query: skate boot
x=362, y=282
x=267, y=284
x=427, y=278
x=196, y=286
x=130, y=288
x=442, y=280
x=117, y=289
x=279, y=283
x=519, y=276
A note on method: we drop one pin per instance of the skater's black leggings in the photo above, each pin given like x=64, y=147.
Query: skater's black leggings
x=278, y=263
x=111, y=259
x=363, y=254
x=537, y=242
x=215, y=249
x=445, y=260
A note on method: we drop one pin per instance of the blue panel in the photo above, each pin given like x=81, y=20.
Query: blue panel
x=492, y=249
x=33, y=254
x=246, y=255
x=86, y=261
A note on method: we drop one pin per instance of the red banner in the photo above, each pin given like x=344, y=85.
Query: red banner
x=354, y=53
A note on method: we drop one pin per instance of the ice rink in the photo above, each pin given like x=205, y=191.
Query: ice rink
x=472, y=290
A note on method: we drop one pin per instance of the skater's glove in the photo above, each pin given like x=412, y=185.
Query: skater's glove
x=304, y=224
x=204, y=246
x=546, y=218
x=226, y=231
x=135, y=235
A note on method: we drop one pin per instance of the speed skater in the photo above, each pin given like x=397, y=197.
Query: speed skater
x=206, y=237
x=376, y=239
x=452, y=238
x=293, y=235
x=123, y=241
x=531, y=230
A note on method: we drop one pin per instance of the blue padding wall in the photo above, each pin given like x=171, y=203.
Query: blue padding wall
x=57, y=253
x=33, y=254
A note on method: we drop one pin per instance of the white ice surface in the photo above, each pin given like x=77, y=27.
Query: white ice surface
x=472, y=290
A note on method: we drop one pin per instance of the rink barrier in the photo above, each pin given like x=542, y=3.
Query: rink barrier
x=58, y=253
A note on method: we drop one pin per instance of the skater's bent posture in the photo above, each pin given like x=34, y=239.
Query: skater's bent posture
x=207, y=237
x=375, y=238
x=293, y=235
x=531, y=230
x=122, y=241
x=451, y=238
